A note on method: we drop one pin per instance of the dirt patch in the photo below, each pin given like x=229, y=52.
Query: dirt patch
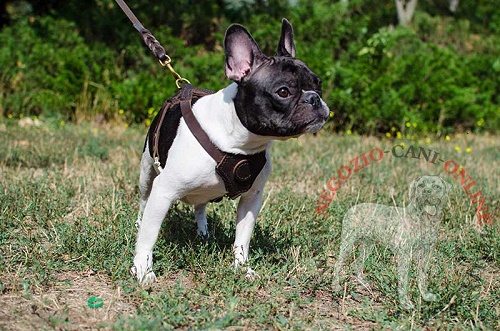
x=64, y=305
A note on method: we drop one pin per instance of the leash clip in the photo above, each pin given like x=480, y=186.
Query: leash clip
x=179, y=81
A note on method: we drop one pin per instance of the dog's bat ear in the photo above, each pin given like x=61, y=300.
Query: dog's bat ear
x=242, y=53
x=413, y=187
x=286, y=45
x=447, y=185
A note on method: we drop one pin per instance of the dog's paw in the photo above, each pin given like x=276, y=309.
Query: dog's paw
x=406, y=304
x=429, y=297
x=336, y=287
x=203, y=235
x=144, y=277
x=143, y=269
x=251, y=275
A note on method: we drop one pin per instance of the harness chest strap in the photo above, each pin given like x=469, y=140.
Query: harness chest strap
x=237, y=171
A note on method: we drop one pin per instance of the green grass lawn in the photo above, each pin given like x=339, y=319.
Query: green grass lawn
x=69, y=198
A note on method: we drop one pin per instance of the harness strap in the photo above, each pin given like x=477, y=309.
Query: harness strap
x=237, y=171
x=156, y=138
x=195, y=127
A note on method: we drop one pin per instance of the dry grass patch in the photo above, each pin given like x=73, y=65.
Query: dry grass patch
x=63, y=304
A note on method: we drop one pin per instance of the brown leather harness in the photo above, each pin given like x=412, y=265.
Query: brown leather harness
x=236, y=170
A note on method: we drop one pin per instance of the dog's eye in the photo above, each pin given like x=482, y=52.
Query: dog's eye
x=283, y=92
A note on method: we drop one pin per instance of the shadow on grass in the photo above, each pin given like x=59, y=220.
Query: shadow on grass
x=178, y=245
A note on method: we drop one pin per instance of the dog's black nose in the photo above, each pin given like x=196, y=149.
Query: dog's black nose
x=312, y=98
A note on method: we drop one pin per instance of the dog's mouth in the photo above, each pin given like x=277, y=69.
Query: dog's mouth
x=314, y=124
x=431, y=210
x=432, y=206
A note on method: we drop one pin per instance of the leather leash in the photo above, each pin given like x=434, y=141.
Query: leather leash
x=153, y=44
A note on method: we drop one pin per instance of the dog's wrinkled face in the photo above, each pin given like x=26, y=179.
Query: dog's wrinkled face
x=277, y=96
x=429, y=193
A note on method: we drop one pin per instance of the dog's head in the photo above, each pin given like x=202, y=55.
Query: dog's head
x=429, y=193
x=277, y=96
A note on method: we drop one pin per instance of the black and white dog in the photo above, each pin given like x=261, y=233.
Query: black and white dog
x=272, y=98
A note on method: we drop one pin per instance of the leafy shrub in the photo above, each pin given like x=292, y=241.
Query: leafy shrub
x=440, y=75
x=46, y=63
x=420, y=80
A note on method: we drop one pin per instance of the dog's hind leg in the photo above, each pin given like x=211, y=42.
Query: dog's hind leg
x=155, y=211
x=146, y=178
x=200, y=215
x=365, y=249
x=346, y=247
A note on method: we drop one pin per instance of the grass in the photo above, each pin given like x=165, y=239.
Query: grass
x=68, y=202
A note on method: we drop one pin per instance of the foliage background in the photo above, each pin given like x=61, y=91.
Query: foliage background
x=76, y=61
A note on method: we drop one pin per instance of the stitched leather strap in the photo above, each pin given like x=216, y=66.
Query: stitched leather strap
x=194, y=125
x=237, y=171
x=164, y=108
x=148, y=38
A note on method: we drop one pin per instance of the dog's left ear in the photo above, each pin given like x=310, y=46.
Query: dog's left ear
x=413, y=187
x=242, y=53
x=286, y=46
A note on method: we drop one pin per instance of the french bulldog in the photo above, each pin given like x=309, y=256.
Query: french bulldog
x=271, y=98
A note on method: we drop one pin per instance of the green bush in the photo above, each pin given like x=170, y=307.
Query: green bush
x=45, y=65
x=399, y=81
x=429, y=78
x=440, y=75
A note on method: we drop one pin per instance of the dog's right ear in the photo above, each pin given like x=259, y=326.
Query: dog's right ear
x=447, y=185
x=286, y=45
x=242, y=53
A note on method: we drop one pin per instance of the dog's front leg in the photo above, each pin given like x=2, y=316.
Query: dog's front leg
x=403, y=262
x=248, y=210
x=154, y=212
x=424, y=258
